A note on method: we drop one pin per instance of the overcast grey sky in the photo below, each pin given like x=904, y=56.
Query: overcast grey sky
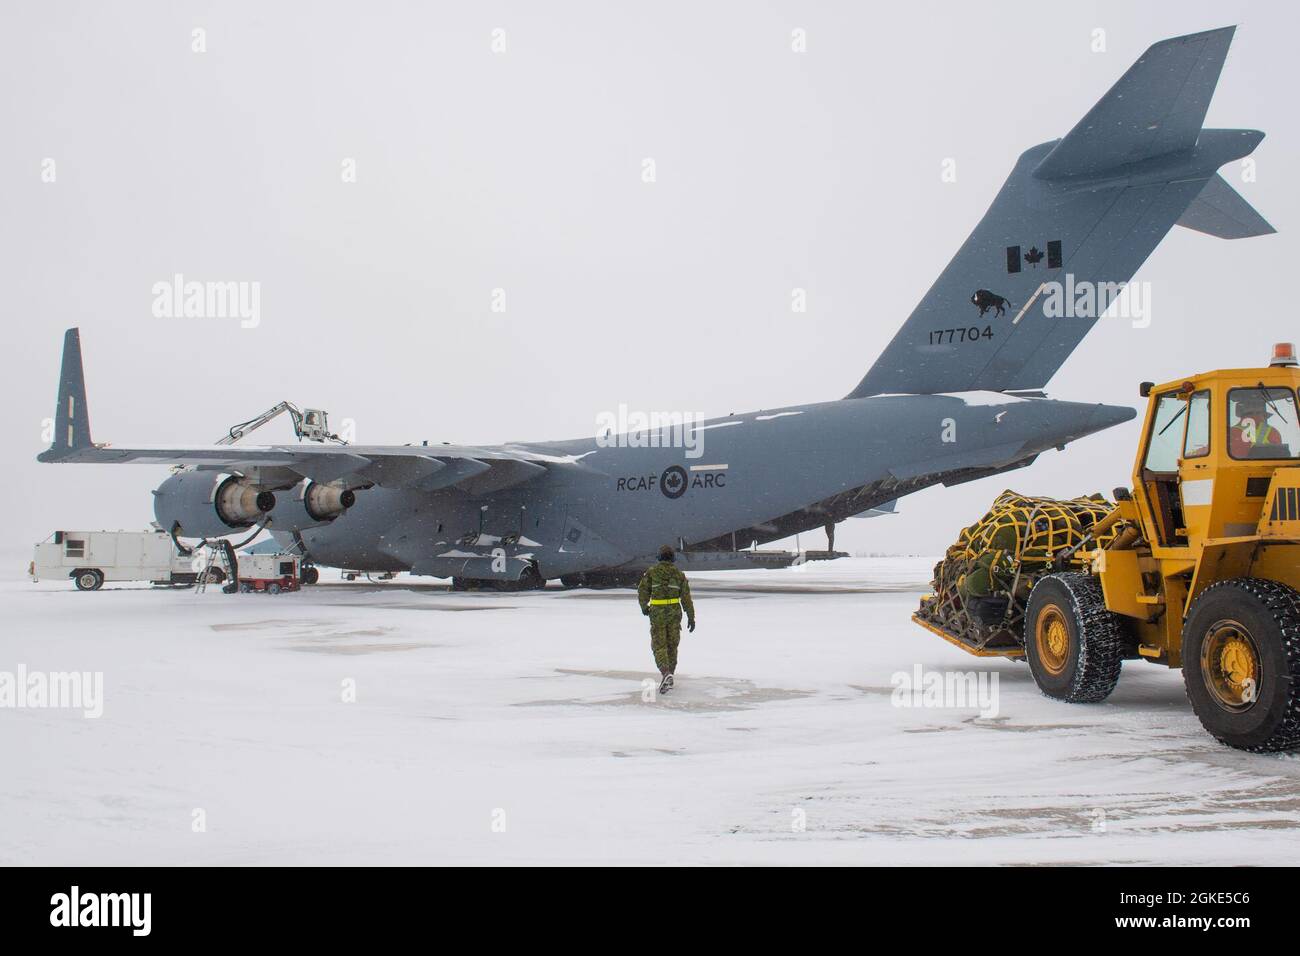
x=521, y=170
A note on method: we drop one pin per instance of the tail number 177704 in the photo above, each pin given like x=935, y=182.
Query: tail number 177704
x=969, y=335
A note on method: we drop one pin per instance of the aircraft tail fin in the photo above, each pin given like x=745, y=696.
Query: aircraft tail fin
x=1075, y=220
x=71, y=417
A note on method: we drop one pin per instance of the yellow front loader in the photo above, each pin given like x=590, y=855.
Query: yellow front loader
x=1197, y=566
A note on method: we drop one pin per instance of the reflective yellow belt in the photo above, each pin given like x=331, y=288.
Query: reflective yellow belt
x=665, y=600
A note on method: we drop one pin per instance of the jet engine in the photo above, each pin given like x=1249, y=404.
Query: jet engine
x=310, y=504
x=207, y=505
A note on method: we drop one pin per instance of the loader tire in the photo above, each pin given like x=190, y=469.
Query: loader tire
x=1074, y=645
x=1241, y=663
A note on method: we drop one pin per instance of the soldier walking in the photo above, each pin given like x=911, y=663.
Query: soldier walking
x=663, y=593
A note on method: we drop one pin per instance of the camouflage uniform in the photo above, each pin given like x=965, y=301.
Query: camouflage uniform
x=993, y=568
x=664, y=582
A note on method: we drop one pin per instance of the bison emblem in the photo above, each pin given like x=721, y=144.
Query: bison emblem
x=984, y=300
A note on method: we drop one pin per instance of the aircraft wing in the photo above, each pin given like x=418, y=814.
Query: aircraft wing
x=477, y=470
x=424, y=468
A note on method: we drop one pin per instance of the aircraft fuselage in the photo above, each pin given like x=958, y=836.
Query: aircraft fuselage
x=757, y=476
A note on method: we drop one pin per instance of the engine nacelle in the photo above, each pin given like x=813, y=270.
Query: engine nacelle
x=207, y=505
x=310, y=504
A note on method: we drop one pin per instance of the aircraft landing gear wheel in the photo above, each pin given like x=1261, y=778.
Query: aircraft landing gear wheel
x=89, y=580
x=571, y=581
x=1074, y=646
x=310, y=575
x=1241, y=663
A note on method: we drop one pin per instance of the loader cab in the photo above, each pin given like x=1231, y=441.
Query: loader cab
x=1212, y=445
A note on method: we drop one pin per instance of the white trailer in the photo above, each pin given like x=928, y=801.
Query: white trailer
x=92, y=557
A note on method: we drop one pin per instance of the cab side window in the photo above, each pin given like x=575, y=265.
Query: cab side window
x=1166, y=439
x=1197, y=443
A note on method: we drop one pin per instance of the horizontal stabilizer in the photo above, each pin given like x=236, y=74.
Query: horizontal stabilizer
x=1157, y=107
x=1221, y=211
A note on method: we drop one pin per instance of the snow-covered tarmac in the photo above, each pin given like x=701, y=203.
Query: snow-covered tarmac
x=514, y=728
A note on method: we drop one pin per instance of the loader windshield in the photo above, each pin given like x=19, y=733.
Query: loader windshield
x=1262, y=423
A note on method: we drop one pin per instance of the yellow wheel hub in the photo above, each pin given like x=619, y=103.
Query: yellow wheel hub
x=1230, y=665
x=1052, y=639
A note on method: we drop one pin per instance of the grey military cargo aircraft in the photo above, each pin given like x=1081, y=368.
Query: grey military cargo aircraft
x=957, y=395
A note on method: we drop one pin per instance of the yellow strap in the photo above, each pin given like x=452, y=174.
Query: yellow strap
x=665, y=600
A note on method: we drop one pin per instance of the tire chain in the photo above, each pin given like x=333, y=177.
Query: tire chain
x=1283, y=604
x=1101, y=640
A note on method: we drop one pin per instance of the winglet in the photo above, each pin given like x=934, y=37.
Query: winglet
x=71, y=418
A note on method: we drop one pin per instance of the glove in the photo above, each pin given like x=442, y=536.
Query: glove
x=690, y=625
